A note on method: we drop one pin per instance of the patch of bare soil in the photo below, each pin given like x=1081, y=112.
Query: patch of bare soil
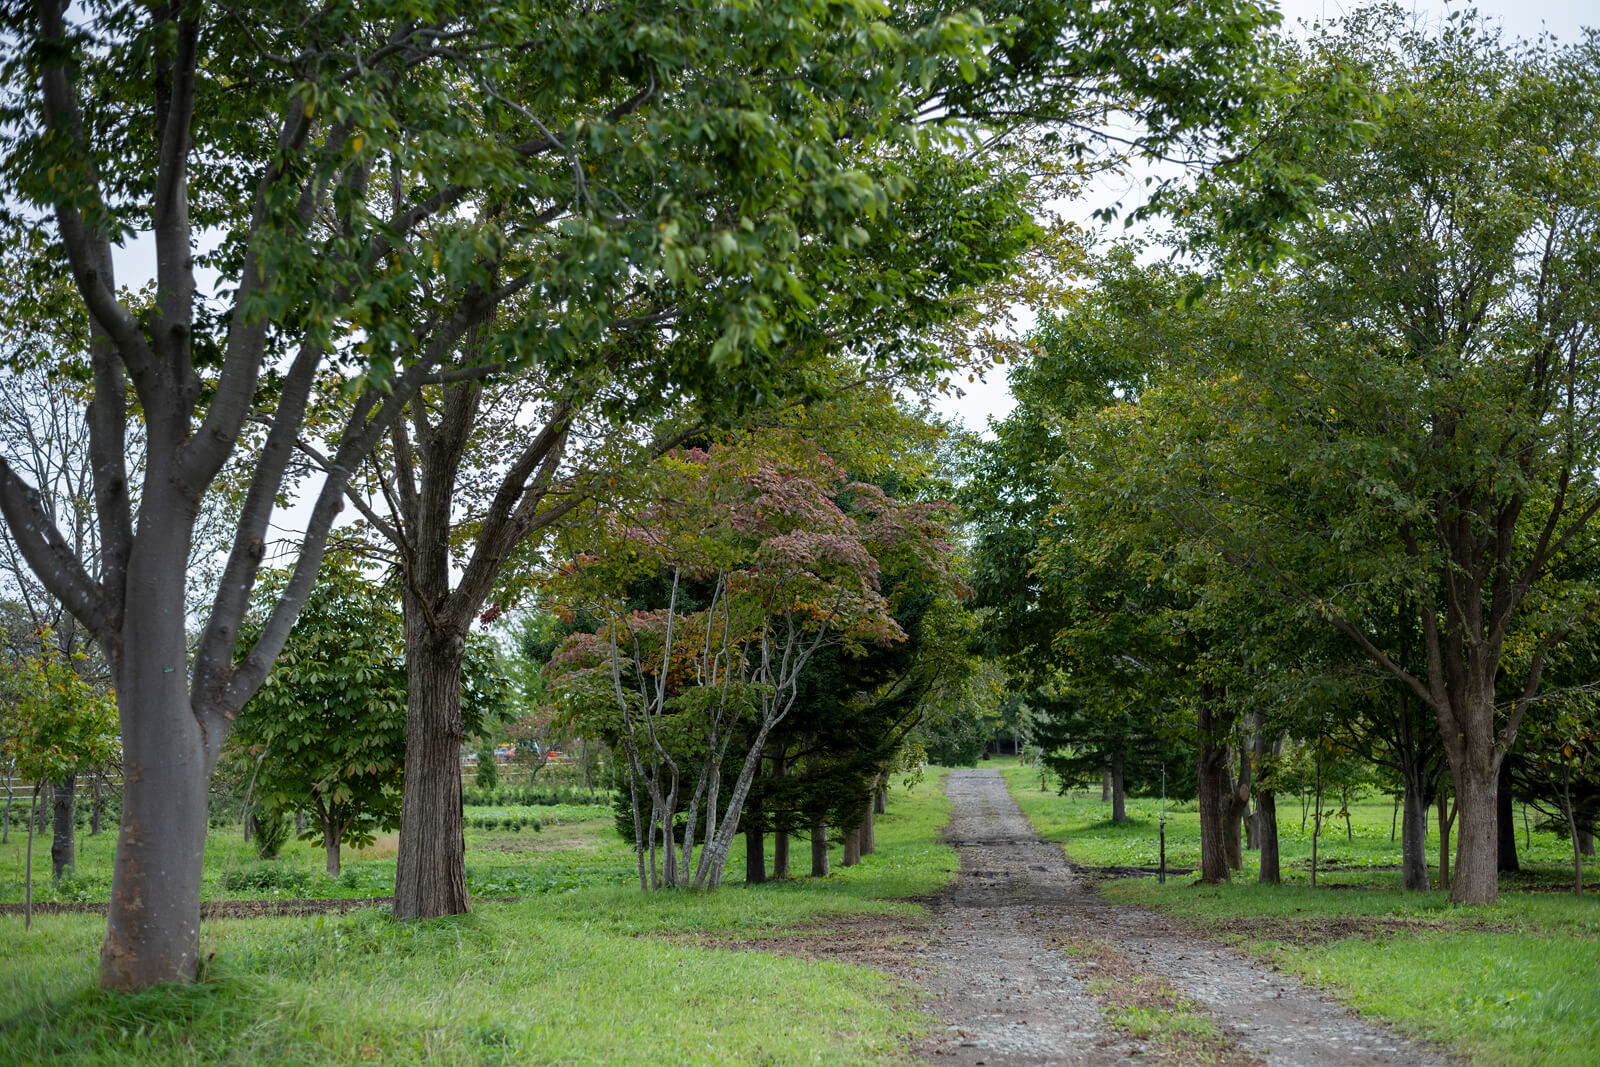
x=1336, y=928
x=892, y=943
x=1012, y=985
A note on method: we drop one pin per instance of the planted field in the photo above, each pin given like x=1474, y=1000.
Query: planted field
x=585, y=968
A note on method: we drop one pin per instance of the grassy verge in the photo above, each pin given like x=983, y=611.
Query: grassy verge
x=560, y=977
x=1517, y=982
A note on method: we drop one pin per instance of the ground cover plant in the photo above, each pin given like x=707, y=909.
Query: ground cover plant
x=1514, y=982
x=571, y=973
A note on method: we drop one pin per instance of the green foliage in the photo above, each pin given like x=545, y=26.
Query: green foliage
x=269, y=874
x=273, y=828
x=327, y=730
x=54, y=723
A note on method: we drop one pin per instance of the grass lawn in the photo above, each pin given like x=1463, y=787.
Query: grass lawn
x=569, y=974
x=1517, y=982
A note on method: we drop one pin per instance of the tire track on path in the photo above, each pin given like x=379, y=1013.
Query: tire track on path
x=1006, y=995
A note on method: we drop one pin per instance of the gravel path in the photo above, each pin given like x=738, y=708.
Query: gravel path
x=1008, y=994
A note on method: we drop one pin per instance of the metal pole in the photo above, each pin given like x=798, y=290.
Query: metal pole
x=1163, y=824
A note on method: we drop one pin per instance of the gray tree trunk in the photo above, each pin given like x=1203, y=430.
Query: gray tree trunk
x=852, y=848
x=1414, y=835
x=1105, y=785
x=868, y=833
x=61, y=850
x=153, y=921
x=332, y=834
x=780, y=854
x=819, y=849
x=1447, y=817
x=1267, y=821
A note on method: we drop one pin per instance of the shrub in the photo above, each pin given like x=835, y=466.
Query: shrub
x=272, y=829
x=267, y=874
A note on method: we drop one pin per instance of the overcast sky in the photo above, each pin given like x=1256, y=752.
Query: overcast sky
x=1564, y=19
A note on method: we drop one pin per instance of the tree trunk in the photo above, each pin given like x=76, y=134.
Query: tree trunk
x=1266, y=820
x=94, y=806
x=332, y=834
x=868, y=836
x=1414, y=834
x=852, y=848
x=1572, y=830
x=1476, y=879
x=1316, y=816
x=153, y=921
x=1237, y=802
x=27, y=871
x=880, y=801
x=819, y=849
x=1267, y=836
x=1238, y=806
x=780, y=854
x=755, y=854
x=1585, y=842
x=1105, y=784
x=1505, y=823
x=1212, y=767
x=1247, y=762
x=430, y=869
x=61, y=853
x=1447, y=818
x=1119, y=799
x=41, y=812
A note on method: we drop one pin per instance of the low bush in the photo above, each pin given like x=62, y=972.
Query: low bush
x=526, y=796
x=268, y=874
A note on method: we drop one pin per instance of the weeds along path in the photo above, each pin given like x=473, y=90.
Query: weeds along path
x=1028, y=965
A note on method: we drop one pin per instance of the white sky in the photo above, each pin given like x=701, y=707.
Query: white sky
x=1564, y=19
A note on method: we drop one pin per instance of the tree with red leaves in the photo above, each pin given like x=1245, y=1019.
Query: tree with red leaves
x=769, y=553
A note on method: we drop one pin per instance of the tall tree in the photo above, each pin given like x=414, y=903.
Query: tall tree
x=377, y=191
x=1436, y=352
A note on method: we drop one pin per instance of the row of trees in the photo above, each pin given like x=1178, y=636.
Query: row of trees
x=460, y=265
x=1349, y=498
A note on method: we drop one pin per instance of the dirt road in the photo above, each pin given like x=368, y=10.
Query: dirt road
x=1027, y=963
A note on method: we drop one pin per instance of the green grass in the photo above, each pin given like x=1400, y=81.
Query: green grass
x=568, y=976
x=1081, y=822
x=1517, y=982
